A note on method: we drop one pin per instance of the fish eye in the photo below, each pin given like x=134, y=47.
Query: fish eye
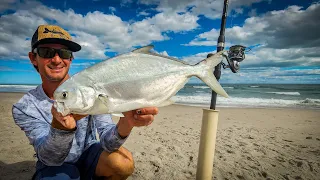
x=64, y=95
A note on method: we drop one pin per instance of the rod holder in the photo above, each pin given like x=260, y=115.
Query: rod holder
x=207, y=144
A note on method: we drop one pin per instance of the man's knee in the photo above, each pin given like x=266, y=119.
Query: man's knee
x=123, y=163
x=118, y=163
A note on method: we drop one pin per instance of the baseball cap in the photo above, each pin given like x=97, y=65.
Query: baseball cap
x=52, y=34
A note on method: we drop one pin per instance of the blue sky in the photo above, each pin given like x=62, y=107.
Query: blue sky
x=284, y=35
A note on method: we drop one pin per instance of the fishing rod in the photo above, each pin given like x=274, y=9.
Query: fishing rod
x=236, y=54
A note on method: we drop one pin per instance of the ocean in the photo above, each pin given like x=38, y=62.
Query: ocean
x=241, y=95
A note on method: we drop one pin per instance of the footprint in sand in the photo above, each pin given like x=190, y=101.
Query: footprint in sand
x=190, y=160
x=310, y=166
x=264, y=174
x=156, y=163
x=242, y=143
x=230, y=151
x=280, y=159
x=249, y=158
x=287, y=140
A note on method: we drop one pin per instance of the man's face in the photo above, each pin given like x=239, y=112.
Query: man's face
x=53, y=69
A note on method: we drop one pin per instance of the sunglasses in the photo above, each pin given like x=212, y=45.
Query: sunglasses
x=47, y=52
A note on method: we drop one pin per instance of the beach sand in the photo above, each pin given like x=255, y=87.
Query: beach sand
x=251, y=144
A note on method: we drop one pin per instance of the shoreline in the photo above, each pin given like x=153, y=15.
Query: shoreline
x=248, y=107
x=218, y=106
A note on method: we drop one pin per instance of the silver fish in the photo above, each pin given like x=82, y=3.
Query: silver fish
x=131, y=81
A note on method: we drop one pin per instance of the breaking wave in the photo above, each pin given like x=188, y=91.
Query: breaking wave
x=16, y=88
x=286, y=93
x=201, y=87
x=201, y=100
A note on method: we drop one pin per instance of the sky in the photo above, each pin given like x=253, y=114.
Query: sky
x=283, y=35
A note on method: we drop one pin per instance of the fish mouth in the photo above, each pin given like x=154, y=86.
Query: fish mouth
x=61, y=108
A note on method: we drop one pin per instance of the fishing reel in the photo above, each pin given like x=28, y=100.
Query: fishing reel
x=236, y=54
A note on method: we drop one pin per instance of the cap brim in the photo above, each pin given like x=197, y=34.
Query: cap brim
x=74, y=47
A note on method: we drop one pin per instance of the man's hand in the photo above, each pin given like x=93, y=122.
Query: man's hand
x=139, y=117
x=67, y=122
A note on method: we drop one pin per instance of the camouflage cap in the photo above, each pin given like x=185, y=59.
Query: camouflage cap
x=52, y=34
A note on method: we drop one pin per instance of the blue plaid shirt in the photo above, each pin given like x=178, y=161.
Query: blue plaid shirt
x=54, y=146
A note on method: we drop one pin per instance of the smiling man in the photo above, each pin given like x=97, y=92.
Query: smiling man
x=67, y=146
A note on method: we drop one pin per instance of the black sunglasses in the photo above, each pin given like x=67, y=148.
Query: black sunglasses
x=47, y=52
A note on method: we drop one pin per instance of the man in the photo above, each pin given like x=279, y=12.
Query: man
x=67, y=146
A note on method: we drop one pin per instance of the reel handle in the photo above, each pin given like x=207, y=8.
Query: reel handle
x=236, y=54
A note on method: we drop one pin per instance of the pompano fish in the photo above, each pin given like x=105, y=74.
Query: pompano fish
x=131, y=81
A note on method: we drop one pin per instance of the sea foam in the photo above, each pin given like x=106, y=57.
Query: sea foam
x=286, y=93
x=200, y=100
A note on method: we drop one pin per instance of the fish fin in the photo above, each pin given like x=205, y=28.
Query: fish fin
x=104, y=99
x=61, y=108
x=117, y=114
x=166, y=103
x=208, y=77
x=144, y=49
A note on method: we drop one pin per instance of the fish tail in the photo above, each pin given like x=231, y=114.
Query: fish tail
x=205, y=73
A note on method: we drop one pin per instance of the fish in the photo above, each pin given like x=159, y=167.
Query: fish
x=138, y=79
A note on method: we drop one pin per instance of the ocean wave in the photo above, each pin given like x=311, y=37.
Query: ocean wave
x=206, y=87
x=310, y=101
x=246, y=102
x=17, y=86
x=201, y=87
x=286, y=93
x=254, y=86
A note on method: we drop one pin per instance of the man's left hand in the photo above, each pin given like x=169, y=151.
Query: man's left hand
x=139, y=117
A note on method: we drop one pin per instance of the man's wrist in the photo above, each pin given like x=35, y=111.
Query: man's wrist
x=124, y=128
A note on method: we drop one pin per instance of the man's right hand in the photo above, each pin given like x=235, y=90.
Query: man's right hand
x=67, y=122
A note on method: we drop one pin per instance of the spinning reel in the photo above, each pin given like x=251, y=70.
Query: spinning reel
x=236, y=54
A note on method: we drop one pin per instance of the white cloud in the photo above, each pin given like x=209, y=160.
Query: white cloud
x=112, y=9
x=253, y=12
x=96, y=31
x=209, y=8
x=164, y=53
x=279, y=37
x=6, y=4
x=193, y=59
x=284, y=57
x=271, y=65
x=270, y=75
x=15, y=28
x=268, y=57
x=143, y=13
x=91, y=46
x=174, y=22
x=125, y=2
x=277, y=29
